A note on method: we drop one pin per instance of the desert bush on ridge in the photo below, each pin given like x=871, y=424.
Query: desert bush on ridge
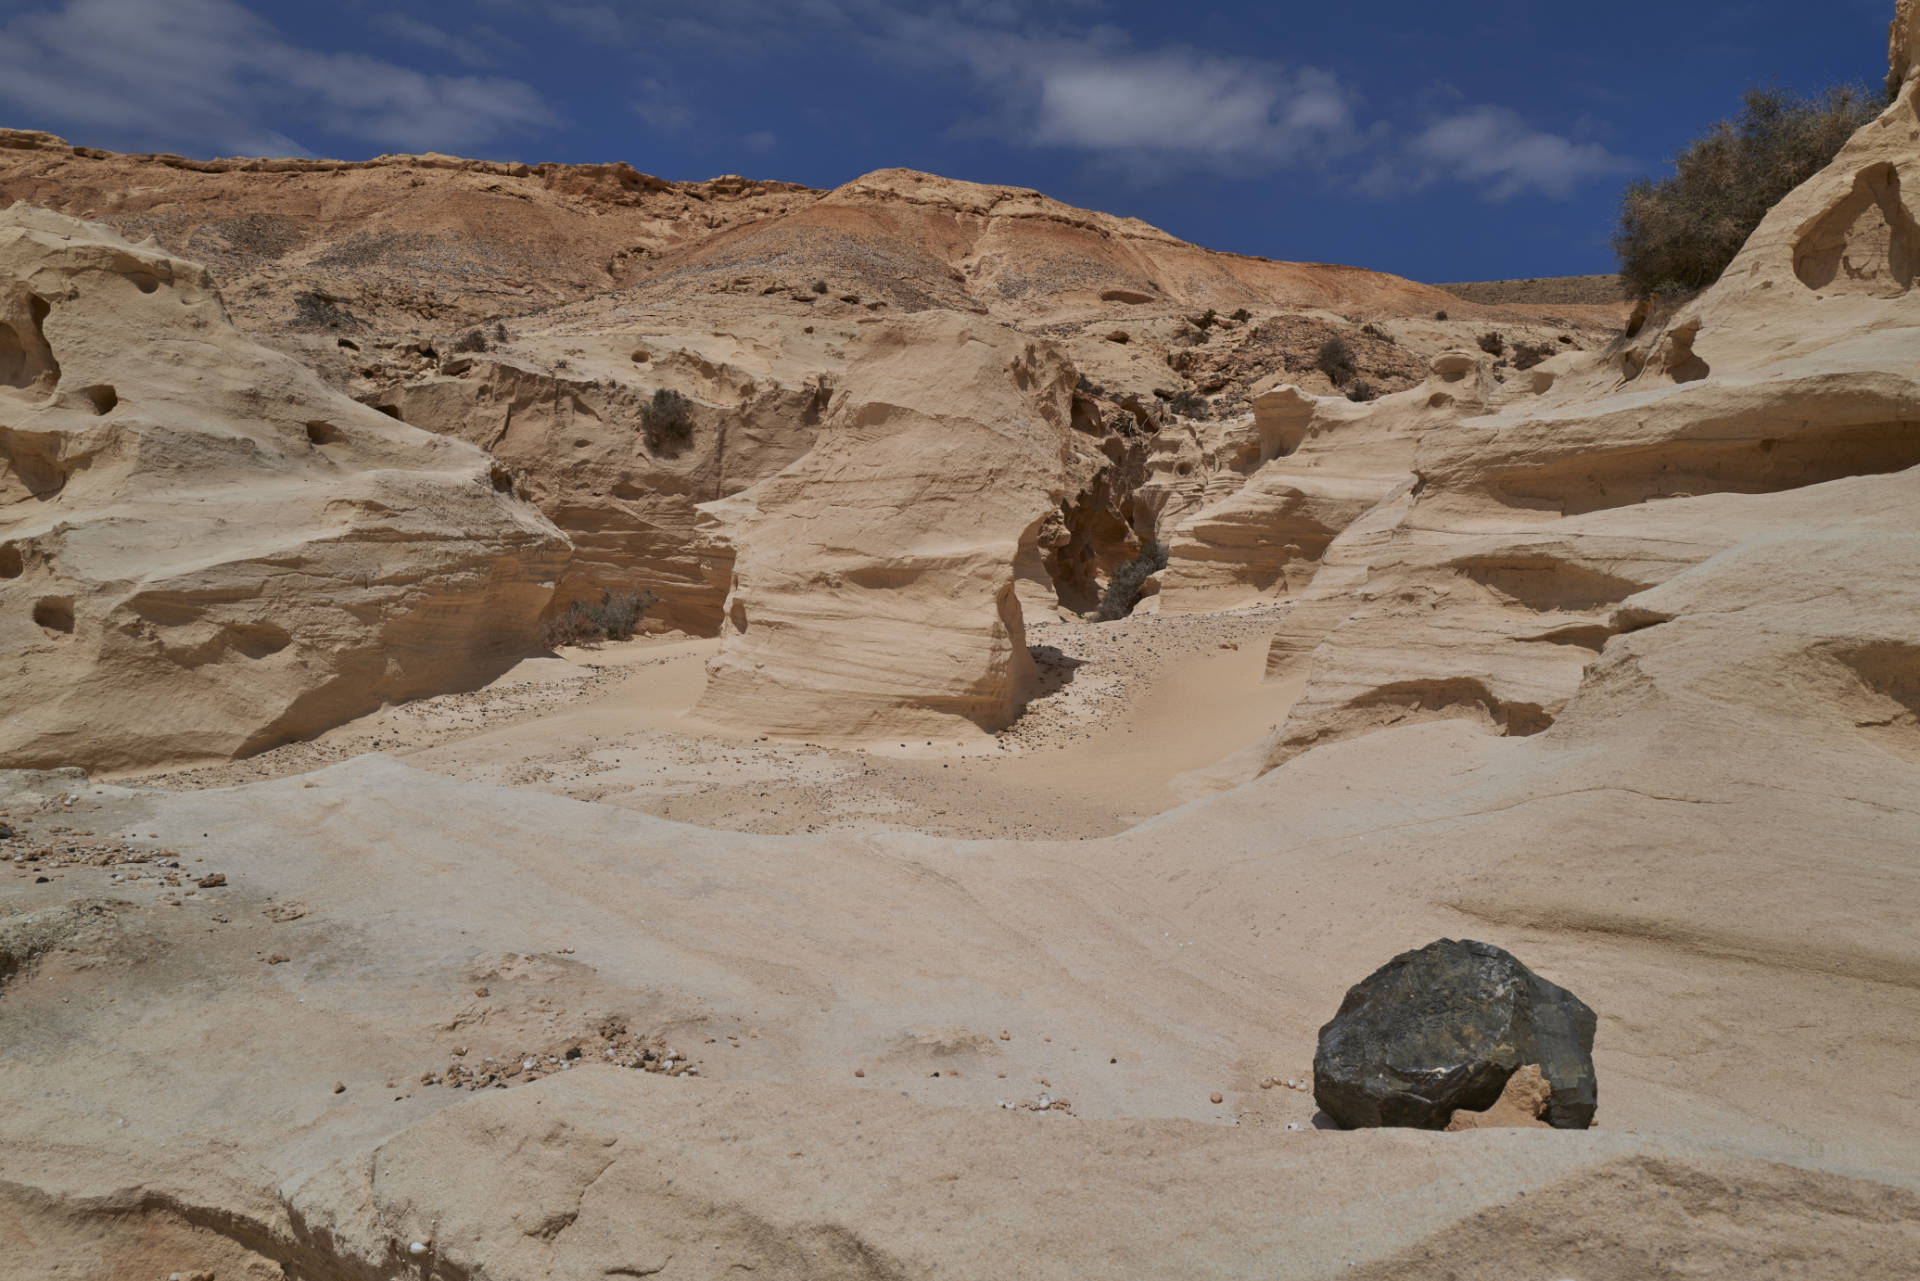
x=1679, y=234
x=1335, y=360
x=614, y=618
x=1123, y=589
x=667, y=417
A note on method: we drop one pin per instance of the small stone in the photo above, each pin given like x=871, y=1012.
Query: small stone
x=479, y=991
x=859, y=1071
x=1006, y=1035
x=1217, y=1097
x=213, y=881
x=278, y=958
x=339, y=1087
x=1266, y=1083
x=417, y=1248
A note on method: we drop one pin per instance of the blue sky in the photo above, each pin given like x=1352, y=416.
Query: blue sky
x=1443, y=142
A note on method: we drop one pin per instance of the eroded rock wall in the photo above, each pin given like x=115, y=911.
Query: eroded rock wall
x=203, y=551
x=875, y=586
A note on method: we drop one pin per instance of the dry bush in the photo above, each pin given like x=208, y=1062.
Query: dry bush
x=1493, y=344
x=1362, y=391
x=614, y=618
x=1527, y=354
x=1123, y=590
x=1335, y=360
x=667, y=417
x=1676, y=236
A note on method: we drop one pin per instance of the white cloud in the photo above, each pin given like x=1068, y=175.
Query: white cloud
x=1095, y=94
x=210, y=74
x=400, y=26
x=1163, y=109
x=761, y=140
x=1496, y=150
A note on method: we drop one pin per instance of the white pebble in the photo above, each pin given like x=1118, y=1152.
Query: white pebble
x=417, y=1247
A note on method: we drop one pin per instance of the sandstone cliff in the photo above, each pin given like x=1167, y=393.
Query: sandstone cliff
x=203, y=551
x=874, y=591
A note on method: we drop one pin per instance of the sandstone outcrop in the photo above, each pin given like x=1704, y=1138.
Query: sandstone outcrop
x=875, y=586
x=575, y=432
x=1487, y=592
x=203, y=551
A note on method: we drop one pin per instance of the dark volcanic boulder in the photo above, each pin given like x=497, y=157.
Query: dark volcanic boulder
x=1443, y=1028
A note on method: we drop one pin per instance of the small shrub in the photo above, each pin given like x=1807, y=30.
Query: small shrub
x=1439, y=315
x=819, y=286
x=667, y=417
x=1190, y=403
x=1362, y=391
x=1243, y=315
x=1679, y=234
x=500, y=333
x=615, y=618
x=1526, y=355
x=472, y=340
x=1123, y=590
x=1493, y=344
x=1335, y=360
x=1374, y=331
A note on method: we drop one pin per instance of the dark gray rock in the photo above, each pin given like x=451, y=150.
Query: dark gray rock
x=1443, y=1028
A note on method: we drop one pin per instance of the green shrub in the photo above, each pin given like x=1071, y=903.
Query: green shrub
x=1123, y=589
x=667, y=417
x=1679, y=234
x=614, y=618
x=1335, y=360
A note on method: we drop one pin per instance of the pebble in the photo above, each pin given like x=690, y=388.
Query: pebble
x=417, y=1248
x=212, y=881
x=859, y=1071
x=278, y=958
x=1217, y=1098
x=339, y=1087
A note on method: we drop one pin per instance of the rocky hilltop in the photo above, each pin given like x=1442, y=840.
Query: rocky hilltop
x=884, y=913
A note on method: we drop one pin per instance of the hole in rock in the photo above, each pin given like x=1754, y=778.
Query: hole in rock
x=737, y=615
x=347, y=344
x=1881, y=694
x=13, y=359
x=258, y=640
x=55, y=614
x=12, y=563
x=1439, y=400
x=25, y=358
x=145, y=281
x=1545, y=584
x=1461, y=698
x=102, y=397
x=1866, y=244
x=502, y=479
x=321, y=432
x=1579, y=483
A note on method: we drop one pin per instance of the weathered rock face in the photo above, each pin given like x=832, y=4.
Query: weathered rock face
x=875, y=585
x=1444, y=1028
x=578, y=443
x=203, y=551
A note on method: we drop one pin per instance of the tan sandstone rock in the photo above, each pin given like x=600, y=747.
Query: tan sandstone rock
x=874, y=590
x=203, y=551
